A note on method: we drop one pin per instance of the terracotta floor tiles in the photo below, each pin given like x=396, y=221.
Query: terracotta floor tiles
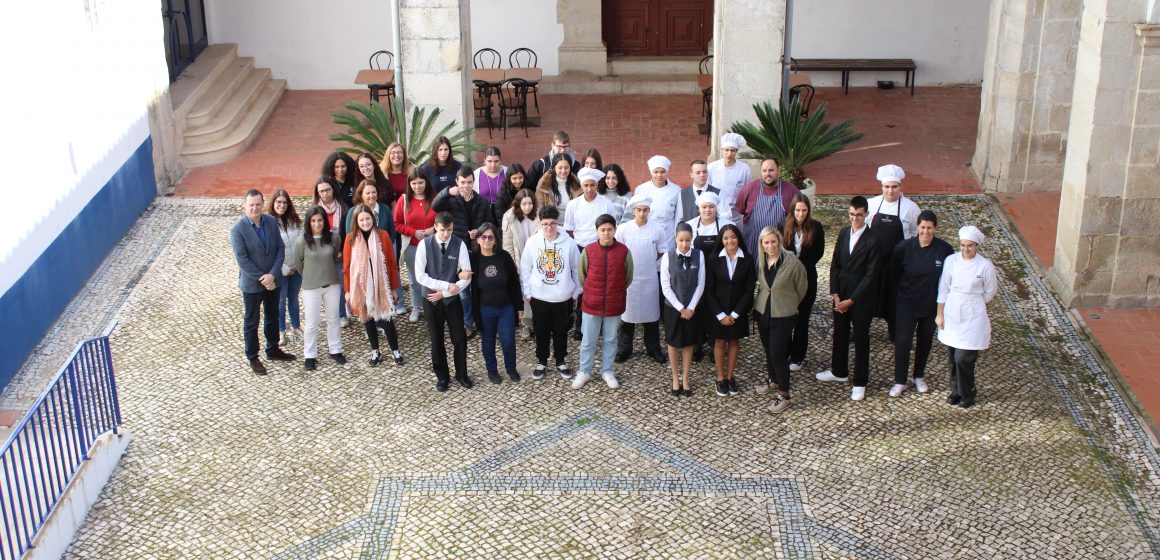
x=1036, y=215
x=931, y=134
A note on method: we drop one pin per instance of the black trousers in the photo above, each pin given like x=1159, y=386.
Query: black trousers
x=652, y=337
x=388, y=328
x=447, y=315
x=962, y=364
x=267, y=302
x=775, y=337
x=860, y=324
x=800, y=338
x=905, y=327
x=550, y=324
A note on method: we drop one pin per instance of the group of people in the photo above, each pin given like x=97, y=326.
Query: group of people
x=568, y=245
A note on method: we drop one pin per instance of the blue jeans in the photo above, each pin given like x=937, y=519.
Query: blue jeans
x=288, y=299
x=592, y=327
x=501, y=321
x=465, y=299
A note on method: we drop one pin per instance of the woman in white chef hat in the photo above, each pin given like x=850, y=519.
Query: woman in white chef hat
x=968, y=282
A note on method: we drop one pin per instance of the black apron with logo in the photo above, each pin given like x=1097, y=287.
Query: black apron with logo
x=888, y=230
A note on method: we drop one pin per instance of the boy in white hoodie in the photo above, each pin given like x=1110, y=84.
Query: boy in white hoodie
x=549, y=276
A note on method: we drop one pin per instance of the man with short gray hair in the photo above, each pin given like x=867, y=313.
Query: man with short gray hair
x=259, y=251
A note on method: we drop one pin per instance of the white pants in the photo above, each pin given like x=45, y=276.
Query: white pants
x=312, y=301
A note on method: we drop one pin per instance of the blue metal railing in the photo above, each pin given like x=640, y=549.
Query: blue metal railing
x=47, y=447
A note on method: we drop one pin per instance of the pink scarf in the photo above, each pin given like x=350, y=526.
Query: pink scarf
x=370, y=294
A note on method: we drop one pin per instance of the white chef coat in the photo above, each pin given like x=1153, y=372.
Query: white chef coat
x=964, y=289
x=580, y=218
x=663, y=210
x=644, y=293
x=729, y=180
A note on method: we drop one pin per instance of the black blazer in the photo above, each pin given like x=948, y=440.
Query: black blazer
x=723, y=295
x=855, y=275
x=810, y=255
x=466, y=214
x=513, y=274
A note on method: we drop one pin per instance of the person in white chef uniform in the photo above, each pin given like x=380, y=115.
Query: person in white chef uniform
x=967, y=284
x=643, y=239
x=729, y=174
x=664, y=194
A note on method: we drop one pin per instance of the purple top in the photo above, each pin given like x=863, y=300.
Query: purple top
x=489, y=188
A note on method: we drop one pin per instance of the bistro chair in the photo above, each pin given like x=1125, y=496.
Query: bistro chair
x=524, y=57
x=382, y=60
x=806, y=93
x=482, y=104
x=513, y=102
x=706, y=67
x=487, y=58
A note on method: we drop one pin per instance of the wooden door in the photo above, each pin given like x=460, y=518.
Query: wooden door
x=657, y=27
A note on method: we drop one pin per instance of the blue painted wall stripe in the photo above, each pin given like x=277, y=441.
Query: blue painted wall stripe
x=35, y=301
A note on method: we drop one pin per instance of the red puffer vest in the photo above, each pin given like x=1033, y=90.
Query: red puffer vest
x=605, y=285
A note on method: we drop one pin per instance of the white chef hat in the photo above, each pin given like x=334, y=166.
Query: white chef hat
x=659, y=161
x=638, y=200
x=590, y=174
x=971, y=233
x=708, y=198
x=733, y=140
x=891, y=173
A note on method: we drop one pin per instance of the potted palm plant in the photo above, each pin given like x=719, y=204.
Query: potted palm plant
x=371, y=128
x=784, y=135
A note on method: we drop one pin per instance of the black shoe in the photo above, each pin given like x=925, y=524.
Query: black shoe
x=658, y=357
x=398, y=356
x=577, y=335
x=311, y=364
x=376, y=358
x=734, y=389
x=279, y=355
x=514, y=376
x=565, y=371
x=622, y=356
x=722, y=388
x=494, y=377
x=954, y=399
x=966, y=403
x=539, y=372
x=442, y=385
x=339, y=359
x=677, y=392
x=257, y=367
x=464, y=382
x=686, y=392
x=469, y=331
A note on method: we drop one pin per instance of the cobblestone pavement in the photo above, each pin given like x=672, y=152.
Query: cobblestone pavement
x=361, y=462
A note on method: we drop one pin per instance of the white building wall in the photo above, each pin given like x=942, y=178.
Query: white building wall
x=314, y=48
x=946, y=38
x=313, y=45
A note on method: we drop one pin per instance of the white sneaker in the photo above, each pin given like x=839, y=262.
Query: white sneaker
x=794, y=367
x=897, y=390
x=829, y=376
x=581, y=379
x=858, y=393
x=610, y=379
x=344, y=322
x=920, y=385
x=414, y=318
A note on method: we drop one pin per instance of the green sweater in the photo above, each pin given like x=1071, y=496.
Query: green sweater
x=316, y=265
x=789, y=286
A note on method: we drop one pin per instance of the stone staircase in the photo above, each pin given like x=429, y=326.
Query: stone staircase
x=656, y=75
x=220, y=103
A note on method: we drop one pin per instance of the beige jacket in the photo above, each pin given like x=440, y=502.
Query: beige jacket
x=513, y=235
x=789, y=287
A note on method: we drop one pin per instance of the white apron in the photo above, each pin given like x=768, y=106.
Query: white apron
x=971, y=284
x=644, y=293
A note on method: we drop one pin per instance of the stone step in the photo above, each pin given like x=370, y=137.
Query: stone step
x=653, y=65
x=587, y=84
x=226, y=120
x=221, y=88
x=185, y=92
x=242, y=135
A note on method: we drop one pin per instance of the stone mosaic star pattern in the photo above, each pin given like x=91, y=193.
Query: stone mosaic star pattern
x=224, y=464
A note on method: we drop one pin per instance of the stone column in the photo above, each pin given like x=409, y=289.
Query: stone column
x=435, y=40
x=1026, y=97
x=1107, y=250
x=747, y=49
x=583, y=48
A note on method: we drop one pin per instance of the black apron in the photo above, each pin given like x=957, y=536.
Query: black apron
x=888, y=230
x=705, y=243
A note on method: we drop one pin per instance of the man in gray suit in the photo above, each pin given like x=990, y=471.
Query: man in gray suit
x=259, y=251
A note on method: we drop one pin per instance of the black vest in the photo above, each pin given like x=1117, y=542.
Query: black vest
x=683, y=280
x=443, y=267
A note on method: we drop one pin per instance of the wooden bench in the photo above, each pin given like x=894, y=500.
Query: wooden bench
x=847, y=65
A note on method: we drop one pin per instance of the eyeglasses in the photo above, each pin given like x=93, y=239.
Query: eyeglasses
x=487, y=237
x=857, y=215
x=327, y=189
x=547, y=224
